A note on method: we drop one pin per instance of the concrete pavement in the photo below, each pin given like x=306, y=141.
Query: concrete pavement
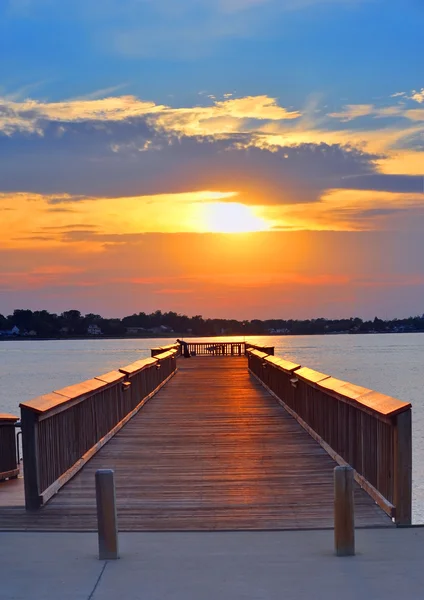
x=289, y=565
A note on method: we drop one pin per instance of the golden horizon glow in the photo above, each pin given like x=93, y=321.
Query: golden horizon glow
x=231, y=217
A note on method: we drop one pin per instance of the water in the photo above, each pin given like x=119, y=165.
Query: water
x=390, y=363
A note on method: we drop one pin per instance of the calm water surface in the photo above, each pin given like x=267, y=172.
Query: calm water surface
x=392, y=364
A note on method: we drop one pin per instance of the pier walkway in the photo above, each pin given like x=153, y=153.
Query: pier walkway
x=211, y=450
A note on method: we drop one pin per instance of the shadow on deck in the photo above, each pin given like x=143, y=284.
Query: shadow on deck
x=211, y=451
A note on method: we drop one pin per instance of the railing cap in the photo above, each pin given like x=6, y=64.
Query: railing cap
x=137, y=366
x=8, y=417
x=257, y=353
x=281, y=363
x=47, y=402
x=166, y=354
x=44, y=403
x=370, y=400
x=81, y=389
x=311, y=376
x=111, y=377
x=266, y=349
x=168, y=347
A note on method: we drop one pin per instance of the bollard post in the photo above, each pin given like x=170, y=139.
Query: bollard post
x=106, y=514
x=344, y=519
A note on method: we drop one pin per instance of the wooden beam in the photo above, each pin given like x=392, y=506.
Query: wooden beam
x=403, y=468
x=29, y=426
x=344, y=512
x=107, y=522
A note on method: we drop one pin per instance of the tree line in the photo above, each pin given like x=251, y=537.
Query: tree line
x=72, y=323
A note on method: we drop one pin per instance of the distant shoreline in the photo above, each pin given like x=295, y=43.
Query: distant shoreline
x=190, y=336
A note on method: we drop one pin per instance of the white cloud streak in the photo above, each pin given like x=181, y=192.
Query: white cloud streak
x=222, y=116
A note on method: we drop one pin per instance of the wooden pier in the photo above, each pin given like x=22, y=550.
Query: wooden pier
x=221, y=441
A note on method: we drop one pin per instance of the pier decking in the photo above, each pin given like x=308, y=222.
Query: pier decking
x=212, y=450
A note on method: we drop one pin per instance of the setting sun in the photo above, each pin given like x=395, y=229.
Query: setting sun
x=231, y=217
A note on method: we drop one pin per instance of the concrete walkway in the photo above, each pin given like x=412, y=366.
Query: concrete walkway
x=210, y=566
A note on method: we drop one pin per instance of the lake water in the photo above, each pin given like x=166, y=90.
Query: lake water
x=389, y=363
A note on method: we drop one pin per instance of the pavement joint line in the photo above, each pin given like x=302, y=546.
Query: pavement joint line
x=93, y=591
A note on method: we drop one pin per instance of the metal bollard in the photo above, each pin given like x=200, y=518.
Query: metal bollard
x=106, y=514
x=344, y=519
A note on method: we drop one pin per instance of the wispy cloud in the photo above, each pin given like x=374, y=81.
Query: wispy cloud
x=30, y=115
x=355, y=111
x=102, y=93
x=418, y=96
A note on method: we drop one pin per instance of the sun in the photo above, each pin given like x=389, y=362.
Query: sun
x=231, y=217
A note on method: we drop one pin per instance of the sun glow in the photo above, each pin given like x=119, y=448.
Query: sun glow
x=231, y=217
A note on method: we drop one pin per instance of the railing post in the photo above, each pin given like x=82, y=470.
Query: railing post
x=344, y=520
x=29, y=427
x=403, y=468
x=106, y=514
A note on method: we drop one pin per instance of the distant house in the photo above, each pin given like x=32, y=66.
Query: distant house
x=94, y=330
x=135, y=330
x=31, y=333
x=161, y=329
x=279, y=331
x=10, y=332
x=15, y=330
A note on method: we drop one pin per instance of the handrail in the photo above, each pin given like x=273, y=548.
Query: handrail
x=357, y=426
x=216, y=348
x=220, y=348
x=160, y=349
x=62, y=430
x=267, y=349
x=9, y=467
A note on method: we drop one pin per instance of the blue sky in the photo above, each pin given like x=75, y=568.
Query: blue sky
x=344, y=50
x=128, y=120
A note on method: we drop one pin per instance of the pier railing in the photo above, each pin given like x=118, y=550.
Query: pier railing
x=266, y=349
x=61, y=431
x=8, y=458
x=215, y=348
x=162, y=349
x=367, y=430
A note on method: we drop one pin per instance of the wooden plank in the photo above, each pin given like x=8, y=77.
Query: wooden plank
x=284, y=365
x=137, y=366
x=9, y=474
x=165, y=354
x=258, y=354
x=212, y=451
x=310, y=375
x=111, y=377
x=57, y=399
x=80, y=390
x=44, y=403
x=403, y=468
x=107, y=521
x=344, y=511
x=373, y=402
x=29, y=447
x=385, y=405
x=8, y=417
x=51, y=404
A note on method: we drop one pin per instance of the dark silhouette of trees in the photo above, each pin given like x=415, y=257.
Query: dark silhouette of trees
x=72, y=323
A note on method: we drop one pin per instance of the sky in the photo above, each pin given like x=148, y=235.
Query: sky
x=228, y=158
